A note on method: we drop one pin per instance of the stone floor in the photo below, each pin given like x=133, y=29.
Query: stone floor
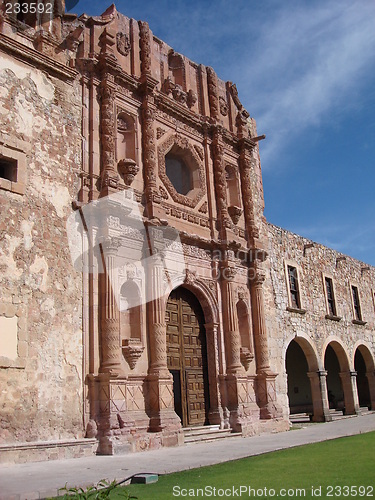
x=43, y=479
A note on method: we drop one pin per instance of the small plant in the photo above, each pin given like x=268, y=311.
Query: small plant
x=99, y=491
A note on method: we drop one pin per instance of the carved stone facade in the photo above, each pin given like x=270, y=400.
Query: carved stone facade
x=154, y=159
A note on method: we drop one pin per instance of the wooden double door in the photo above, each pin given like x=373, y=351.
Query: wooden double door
x=187, y=357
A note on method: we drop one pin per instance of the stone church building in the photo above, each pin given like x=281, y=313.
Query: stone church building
x=143, y=293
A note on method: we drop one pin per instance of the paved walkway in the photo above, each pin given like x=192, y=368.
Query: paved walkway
x=43, y=479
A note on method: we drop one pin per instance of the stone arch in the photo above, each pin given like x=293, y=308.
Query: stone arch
x=210, y=307
x=341, y=382
x=301, y=361
x=308, y=348
x=364, y=365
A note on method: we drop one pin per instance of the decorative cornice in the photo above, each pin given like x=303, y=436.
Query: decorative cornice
x=29, y=55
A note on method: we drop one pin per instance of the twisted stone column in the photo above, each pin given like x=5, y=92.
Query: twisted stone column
x=109, y=175
x=220, y=184
x=246, y=174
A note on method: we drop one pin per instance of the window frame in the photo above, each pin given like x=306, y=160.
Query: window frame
x=14, y=151
x=356, y=320
x=329, y=315
x=291, y=306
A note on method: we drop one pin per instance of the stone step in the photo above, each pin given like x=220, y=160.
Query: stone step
x=299, y=417
x=207, y=433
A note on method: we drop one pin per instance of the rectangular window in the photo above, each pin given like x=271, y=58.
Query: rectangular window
x=8, y=169
x=356, y=304
x=293, y=287
x=330, y=297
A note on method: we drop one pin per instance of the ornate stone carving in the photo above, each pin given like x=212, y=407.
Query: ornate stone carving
x=163, y=193
x=199, y=150
x=203, y=208
x=192, y=159
x=145, y=44
x=191, y=98
x=235, y=213
x=223, y=106
x=128, y=169
x=234, y=93
x=159, y=133
x=132, y=350
x=191, y=277
x=213, y=93
x=220, y=182
x=123, y=43
x=246, y=357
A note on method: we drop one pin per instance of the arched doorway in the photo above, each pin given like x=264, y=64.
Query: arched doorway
x=187, y=357
x=334, y=385
x=299, y=386
x=362, y=380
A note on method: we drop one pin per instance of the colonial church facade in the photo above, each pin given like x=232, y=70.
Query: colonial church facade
x=143, y=292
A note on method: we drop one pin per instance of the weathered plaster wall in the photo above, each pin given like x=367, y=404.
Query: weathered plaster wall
x=41, y=389
x=312, y=262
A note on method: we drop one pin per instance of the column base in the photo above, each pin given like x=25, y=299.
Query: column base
x=160, y=404
x=266, y=395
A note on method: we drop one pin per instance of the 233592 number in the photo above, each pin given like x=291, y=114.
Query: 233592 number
x=29, y=8
x=350, y=491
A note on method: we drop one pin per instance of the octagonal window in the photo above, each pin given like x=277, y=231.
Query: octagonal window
x=178, y=173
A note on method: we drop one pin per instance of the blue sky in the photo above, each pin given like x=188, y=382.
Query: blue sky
x=305, y=70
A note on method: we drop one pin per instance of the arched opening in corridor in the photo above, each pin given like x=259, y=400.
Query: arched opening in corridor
x=187, y=357
x=334, y=385
x=362, y=369
x=299, y=387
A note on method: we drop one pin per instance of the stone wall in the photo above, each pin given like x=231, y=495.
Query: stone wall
x=313, y=261
x=40, y=292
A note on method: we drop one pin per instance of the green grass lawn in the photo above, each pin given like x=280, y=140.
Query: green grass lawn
x=341, y=468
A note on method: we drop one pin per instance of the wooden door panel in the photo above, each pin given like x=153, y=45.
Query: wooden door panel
x=186, y=356
x=195, y=397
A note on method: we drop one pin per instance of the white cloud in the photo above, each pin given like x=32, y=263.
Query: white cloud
x=311, y=60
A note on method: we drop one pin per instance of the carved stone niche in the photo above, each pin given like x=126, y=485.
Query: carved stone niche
x=131, y=322
x=233, y=193
x=126, y=147
x=244, y=326
x=181, y=170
